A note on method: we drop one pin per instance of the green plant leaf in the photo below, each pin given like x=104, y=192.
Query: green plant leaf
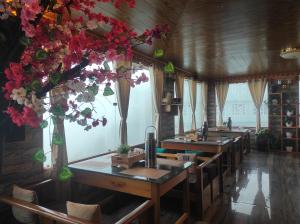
x=36, y=86
x=57, y=110
x=55, y=78
x=158, y=53
x=65, y=174
x=106, y=66
x=57, y=139
x=94, y=89
x=40, y=54
x=169, y=68
x=86, y=112
x=108, y=91
x=44, y=124
x=39, y=156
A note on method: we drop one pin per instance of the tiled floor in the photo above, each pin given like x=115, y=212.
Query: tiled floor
x=266, y=189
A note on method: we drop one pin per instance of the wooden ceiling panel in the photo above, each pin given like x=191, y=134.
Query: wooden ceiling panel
x=215, y=38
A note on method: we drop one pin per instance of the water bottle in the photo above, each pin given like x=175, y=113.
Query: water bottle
x=150, y=148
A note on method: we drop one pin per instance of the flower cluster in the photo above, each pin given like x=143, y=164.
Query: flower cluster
x=58, y=52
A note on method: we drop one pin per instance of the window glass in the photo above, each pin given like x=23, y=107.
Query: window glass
x=140, y=111
x=198, y=106
x=82, y=144
x=187, y=110
x=240, y=107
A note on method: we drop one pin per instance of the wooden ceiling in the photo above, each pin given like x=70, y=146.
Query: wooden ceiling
x=221, y=38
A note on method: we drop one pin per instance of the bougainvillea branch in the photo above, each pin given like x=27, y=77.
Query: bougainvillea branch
x=59, y=52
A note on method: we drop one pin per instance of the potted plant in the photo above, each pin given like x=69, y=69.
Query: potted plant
x=263, y=137
x=289, y=122
x=289, y=134
x=123, y=149
x=289, y=146
x=289, y=111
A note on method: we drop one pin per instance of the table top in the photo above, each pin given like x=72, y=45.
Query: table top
x=164, y=171
x=233, y=130
x=217, y=141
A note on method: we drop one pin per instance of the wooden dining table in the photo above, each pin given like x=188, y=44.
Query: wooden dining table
x=212, y=145
x=233, y=133
x=151, y=183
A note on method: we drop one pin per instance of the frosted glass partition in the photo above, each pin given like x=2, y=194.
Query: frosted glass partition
x=240, y=107
x=187, y=110
x=140, y=111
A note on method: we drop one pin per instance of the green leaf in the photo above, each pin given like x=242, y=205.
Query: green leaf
x=106, y=66
x=169, y=68
x=40, y=54
x=57, y=139
x=55, y=78
x=39, y=156
x=94, y=89
x=108, y=91
x=51, y=35
x=36, y=86
x=57, y=110
x=25, y=41
x=121, y=69
x=86, y=112
x=65, y=174
x=158, y=53
x=44, y=124
x=53, y=118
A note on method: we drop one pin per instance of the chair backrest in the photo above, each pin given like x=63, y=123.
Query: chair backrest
x=22, y=215
x=84, y=211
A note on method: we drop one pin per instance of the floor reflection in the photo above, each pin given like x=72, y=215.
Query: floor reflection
x=264, y=190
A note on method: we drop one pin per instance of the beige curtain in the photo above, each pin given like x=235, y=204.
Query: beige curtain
x=179, y=94
x=257, y=90
x=204, y=95
x=157, y=84
x=59, y=157
x=193, y=98
x=221, y=90
x=123, y=94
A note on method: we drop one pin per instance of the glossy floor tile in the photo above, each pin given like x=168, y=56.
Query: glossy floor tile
x=265, y=189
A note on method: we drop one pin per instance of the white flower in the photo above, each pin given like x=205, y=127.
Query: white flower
x=19, y=95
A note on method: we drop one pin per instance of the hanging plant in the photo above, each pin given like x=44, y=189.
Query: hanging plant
x=58, y=53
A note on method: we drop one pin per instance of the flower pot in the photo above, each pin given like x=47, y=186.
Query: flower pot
x=289, y=148
x=289, y=124
x=289, y=113
x=289, y=134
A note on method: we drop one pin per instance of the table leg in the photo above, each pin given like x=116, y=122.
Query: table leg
x=156, y=200
x=186, y=196
x=221, y=173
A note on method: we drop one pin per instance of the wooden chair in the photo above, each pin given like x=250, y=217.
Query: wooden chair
x=207, y=186
x=236, y=153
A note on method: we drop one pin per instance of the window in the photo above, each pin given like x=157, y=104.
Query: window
x=240, y=107
x=187, y=110
x=198, y=106
x=82, y=144
x=140, y=111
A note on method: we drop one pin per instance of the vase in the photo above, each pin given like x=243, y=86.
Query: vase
x=289, y=113
x=289, y=148
x=289, y=124
x=289, y=135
